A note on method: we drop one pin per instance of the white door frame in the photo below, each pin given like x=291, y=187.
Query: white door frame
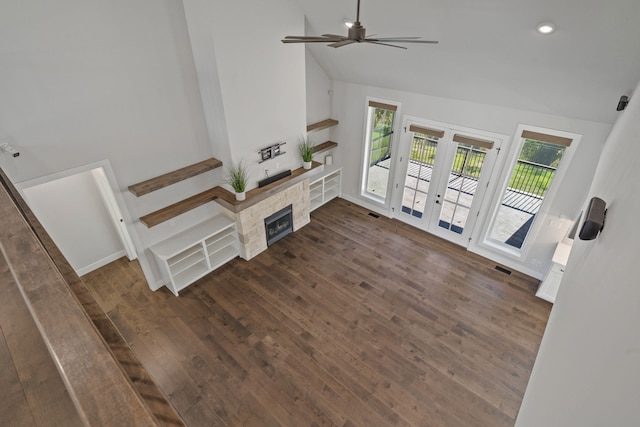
x=483, y=193
x=100, y=177
x=104, y=178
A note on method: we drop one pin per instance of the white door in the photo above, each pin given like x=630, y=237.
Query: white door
x=446, y=172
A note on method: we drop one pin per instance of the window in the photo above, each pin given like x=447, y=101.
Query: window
x=378, y=151
x=528, y=185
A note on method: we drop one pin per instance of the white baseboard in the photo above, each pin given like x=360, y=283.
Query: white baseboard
x=363, y=203
x=507, y=262
x=102, y=262
x=158, y=285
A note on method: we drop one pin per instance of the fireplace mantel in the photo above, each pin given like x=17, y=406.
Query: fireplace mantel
x=227, y=199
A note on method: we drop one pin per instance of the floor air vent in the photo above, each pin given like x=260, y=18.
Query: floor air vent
x=503, y=270
x=374, y=215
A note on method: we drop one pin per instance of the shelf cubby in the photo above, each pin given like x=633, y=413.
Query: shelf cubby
x=189, y=255
x=325, y=186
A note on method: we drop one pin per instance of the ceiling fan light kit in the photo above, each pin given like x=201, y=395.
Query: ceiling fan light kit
x=546, y=28
x=356, y=34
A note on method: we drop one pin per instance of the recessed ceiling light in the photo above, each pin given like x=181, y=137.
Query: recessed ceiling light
x=546, y=28
x=348, y=23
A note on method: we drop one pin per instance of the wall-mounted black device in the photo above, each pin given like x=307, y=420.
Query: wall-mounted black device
x=274, y=178
x=622, y=104
x=271, y=151
x=593, y=219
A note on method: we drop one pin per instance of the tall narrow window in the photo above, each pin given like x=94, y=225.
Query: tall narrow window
x=379, y=144
x=527, y=187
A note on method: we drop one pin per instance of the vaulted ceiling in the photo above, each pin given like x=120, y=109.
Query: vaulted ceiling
x=490, y=52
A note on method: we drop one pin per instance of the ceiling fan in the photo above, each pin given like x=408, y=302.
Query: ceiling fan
x=357, y=34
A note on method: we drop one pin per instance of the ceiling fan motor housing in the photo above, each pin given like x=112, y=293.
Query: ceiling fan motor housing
x=357, y=32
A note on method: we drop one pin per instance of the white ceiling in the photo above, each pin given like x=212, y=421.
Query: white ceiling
x=489, y=51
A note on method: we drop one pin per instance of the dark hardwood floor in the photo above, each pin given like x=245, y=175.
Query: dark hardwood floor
x=350, y=321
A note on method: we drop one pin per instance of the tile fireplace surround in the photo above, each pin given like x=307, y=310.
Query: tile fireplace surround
x=250, y=221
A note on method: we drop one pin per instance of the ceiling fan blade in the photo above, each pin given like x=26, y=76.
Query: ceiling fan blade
x=342, y=43
x=310, y=41
x=383, y=44
x=313, y=38
x=405, y=40
x=334, y=36
x=395, y=38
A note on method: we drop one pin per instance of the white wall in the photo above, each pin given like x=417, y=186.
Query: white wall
x=87, y=80
x=72, y=211
x=319, y=94
x=319, y=90
x=348, y=106
x=586, y=372
x=262, y=80
x=92, y=80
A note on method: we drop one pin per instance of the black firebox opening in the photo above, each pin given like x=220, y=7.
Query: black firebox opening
x=279, y=225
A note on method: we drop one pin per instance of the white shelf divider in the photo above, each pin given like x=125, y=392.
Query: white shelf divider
x=324, y=186
x=197, y=251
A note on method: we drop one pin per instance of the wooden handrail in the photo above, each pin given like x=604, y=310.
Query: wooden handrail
x=95, y=376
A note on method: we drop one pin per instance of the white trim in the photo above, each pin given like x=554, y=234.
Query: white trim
x=100, y=178
x=102, y=262
x=484, y=193
x=499, y=258
x=364, y=204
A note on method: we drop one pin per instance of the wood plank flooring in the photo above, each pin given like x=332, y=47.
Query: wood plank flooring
x=350, y=321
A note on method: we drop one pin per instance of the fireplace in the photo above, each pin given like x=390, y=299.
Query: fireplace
x=279, y=225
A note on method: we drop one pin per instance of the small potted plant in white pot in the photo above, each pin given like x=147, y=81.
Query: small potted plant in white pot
x=236, y=176
x=306, y=151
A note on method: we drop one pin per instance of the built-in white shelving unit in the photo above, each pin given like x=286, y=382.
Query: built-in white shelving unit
x=324, y=186
x=189, y=255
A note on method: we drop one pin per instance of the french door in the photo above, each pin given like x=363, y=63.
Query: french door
x=445, y=175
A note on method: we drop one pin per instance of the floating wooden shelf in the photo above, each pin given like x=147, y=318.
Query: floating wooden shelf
x=324, y=147
x=222, y=196
x=321, y=125
x=172, y=211
x=173, y=177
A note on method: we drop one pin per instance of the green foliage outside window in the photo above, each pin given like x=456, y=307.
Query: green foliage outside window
x=381, y=135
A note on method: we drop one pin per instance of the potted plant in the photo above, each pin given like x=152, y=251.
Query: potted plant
x=306, y=151
x=236, y=176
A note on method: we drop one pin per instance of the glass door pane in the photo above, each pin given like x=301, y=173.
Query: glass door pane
x=461, y=187
x=530, y=180
x=418, y=177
